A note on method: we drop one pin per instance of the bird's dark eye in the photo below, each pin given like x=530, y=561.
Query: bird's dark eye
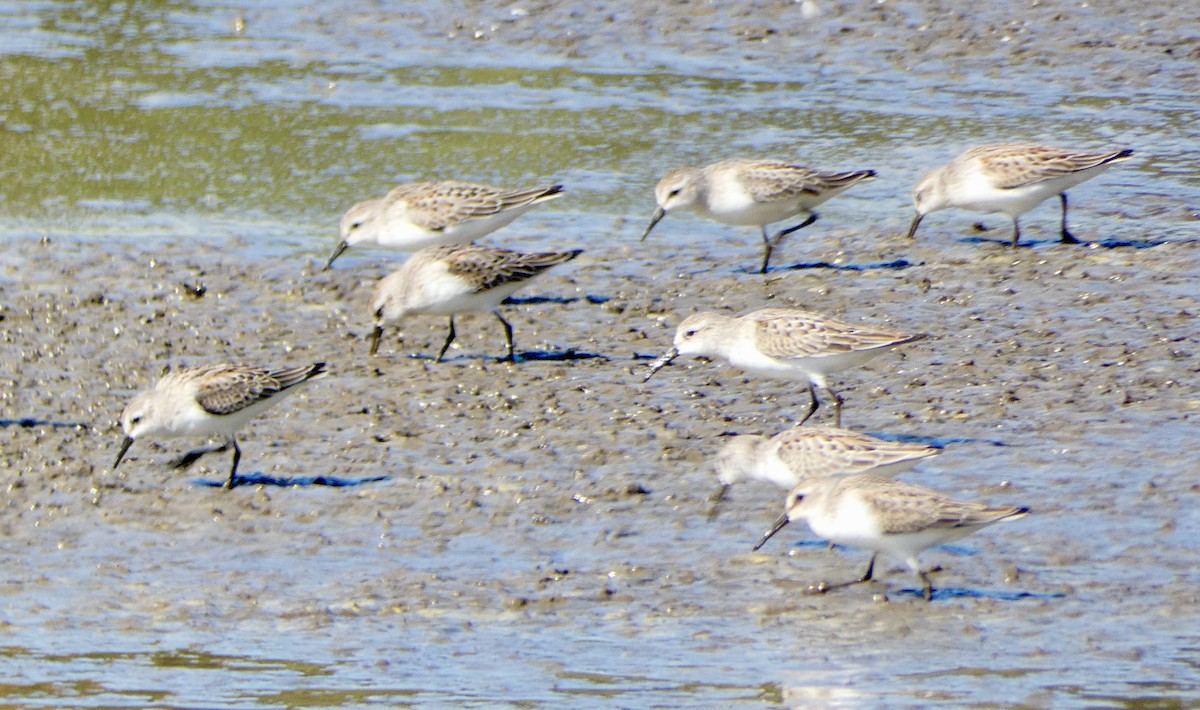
x=673, y=193
x=135, y=420
x=356, y=225
x=690, y=333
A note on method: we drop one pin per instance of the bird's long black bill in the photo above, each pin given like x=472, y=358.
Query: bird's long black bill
x=337, y=251
x=912, y=228
x=783, y=520
x=658, y=215
x=661, y=363
x=124, y=447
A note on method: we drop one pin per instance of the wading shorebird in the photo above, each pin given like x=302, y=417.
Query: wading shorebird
x=457, y=278
x=885, y=516
x=1009, y=178
x=751, y=193
x=213, y=401
x=422, y=214
x=800, y=453
x=784, y=343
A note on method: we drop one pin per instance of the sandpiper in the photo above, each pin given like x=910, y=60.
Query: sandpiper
x=784, y=343
x=751, y=192
x=212, y=401
x=885, y=515
x=417, y=215
x=457, y=278
x=1009, y=178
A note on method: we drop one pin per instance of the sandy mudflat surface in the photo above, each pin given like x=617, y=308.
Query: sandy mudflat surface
x=558, y=489
x=541, y=530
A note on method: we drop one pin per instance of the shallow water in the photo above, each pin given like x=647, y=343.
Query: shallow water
x=541, y=536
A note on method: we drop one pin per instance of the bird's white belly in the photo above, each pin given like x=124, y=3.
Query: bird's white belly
x=852, y=523
x=737, y=208
x=906, y=546
x=401, y=234
x=1014, y=202
x=815, y=369
x=774, y=470
x=474, y=228
x=194, y=421
x=755, y=363
x=447, y=295
x=977, y=193
x=891, y=469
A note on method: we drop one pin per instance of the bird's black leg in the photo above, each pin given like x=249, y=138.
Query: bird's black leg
x=766, y=261
x=508, y=337
x=912, y=228
x=194, y=455
x=715, y=500
x=189, y=458
x=812, y=409
x=772, y=243
x=928, y=586
x=1067, y=237
x=449, y=339
x=237, y=456
x=870, y=573
x=376, y=334
x=812, y=217
x=837, y=407
x=867, y=577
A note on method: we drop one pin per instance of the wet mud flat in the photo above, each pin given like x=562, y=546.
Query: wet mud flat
x=539, y=533
x=550, y=517
x=949, y=51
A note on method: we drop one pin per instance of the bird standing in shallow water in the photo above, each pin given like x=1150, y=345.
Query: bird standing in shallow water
x=1009, y=178
x=751, y=192
x=417, y=215
x=885, y=515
